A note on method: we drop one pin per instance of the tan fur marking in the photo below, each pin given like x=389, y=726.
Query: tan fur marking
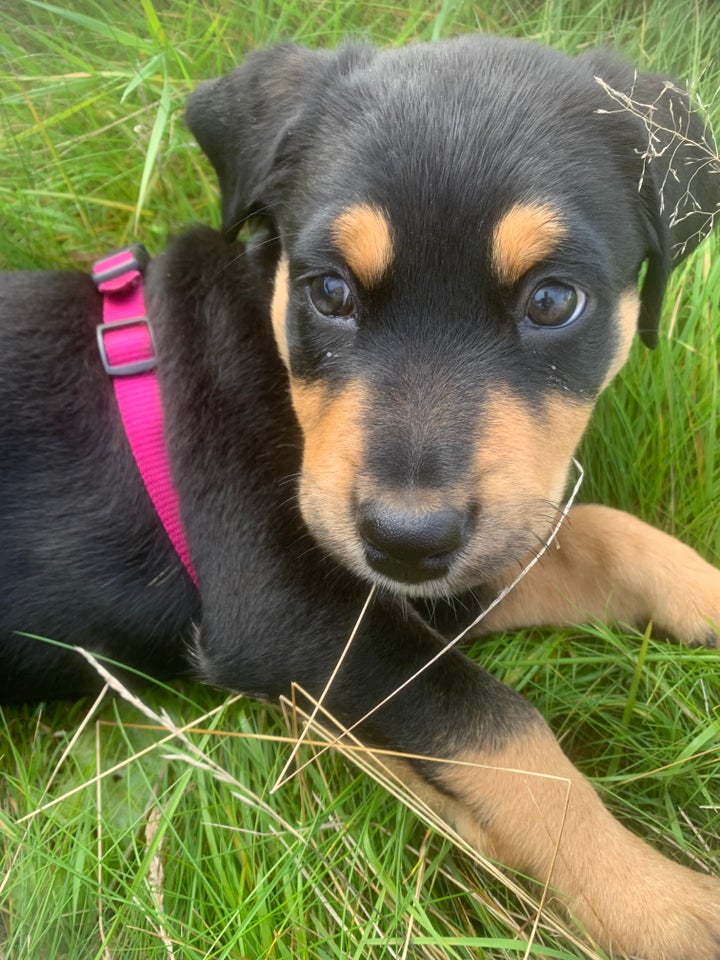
x=278, y=309
x=610, y=566
x=332, y=455
x=626, y=325
x=527, y=806
x=523, y=236
x=362, y=234
x=524, y=454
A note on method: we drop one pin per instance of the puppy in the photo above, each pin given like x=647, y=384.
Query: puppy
x=452, y=241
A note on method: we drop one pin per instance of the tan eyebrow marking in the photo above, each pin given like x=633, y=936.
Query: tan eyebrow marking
x=362, y=234
x=523, y=236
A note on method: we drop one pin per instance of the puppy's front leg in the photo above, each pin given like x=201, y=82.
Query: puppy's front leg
x=608, y=565
x=524, y=804
x=510, y=791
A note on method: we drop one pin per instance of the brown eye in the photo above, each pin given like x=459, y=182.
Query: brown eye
x=553, y=304
x=331, y=296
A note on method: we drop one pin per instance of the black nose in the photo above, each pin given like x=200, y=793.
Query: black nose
x=410, y=547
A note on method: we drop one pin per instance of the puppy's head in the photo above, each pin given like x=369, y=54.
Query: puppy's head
x=461, y=229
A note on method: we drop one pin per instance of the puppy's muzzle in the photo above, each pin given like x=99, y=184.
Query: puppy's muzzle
x=410, y=547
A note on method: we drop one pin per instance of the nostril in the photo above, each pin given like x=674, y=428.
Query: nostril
x=422, y=541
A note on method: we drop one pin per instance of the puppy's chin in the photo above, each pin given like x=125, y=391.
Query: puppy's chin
x=437, y=589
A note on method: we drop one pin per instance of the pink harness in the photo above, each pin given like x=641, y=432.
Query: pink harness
x=127, y=351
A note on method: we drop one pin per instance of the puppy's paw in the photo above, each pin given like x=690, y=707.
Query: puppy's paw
x=710, y=640
x=685, y=601
x=662, y=912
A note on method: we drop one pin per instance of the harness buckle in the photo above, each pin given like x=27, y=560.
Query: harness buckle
x=129, y=367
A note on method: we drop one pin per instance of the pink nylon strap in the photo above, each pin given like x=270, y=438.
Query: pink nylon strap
x=128, y=355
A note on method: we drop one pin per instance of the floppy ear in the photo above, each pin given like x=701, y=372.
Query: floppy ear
x=679, y=171
x=249, y=123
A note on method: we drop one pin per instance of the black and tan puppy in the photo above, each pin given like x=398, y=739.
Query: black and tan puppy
x=454, y=236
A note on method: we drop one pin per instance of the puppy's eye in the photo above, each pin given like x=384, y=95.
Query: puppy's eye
x=331, y=296
x=554, y=304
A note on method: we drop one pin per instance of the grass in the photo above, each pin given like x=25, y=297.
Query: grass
x=178, y=851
